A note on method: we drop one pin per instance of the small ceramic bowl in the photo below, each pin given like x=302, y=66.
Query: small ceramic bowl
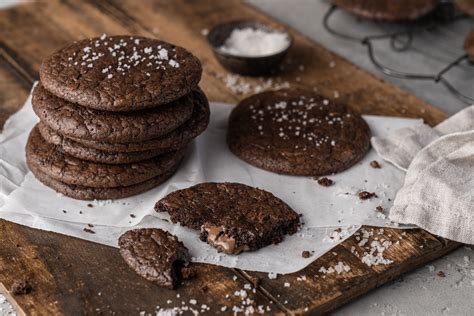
x=246, y=65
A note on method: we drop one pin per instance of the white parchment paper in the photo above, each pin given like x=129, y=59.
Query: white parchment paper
x=26, y=201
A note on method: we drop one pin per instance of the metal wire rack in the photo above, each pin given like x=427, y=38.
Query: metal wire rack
x=402, y=40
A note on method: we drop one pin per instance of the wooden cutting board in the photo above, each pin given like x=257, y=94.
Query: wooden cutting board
x=72, y=276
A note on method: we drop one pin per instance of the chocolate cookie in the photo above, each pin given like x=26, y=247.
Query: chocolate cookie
x=77, y=150
x=469, y=44
x=40, y=155
x=232, y=217
x=73, y=120
x=388, y=10
x=88, y=193
x=465, y=6
x=120, y=73
x=155, y=255
x=297, y=132
x=172, y=141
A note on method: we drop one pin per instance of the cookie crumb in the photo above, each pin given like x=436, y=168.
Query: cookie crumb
x=132, y=215
x=364, y=195
x=20, y=287
x=64, y=211
x=375, y=164
x=306, y=254
x=88, y=230
x=90, y=205
x=379, y=209
x=325, y=182
x=441, y=274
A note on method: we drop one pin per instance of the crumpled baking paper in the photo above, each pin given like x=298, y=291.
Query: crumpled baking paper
x=26, y=201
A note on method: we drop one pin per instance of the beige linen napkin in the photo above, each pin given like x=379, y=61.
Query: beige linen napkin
x=439, y=185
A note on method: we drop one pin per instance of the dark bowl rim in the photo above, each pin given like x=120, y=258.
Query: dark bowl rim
x=224, y=54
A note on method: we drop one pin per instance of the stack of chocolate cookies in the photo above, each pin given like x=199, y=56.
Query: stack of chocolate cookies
x=116, y=115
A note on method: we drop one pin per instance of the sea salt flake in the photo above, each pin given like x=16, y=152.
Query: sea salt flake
x=173, y=63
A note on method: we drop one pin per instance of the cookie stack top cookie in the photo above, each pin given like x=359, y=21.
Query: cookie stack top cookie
x=120, y=73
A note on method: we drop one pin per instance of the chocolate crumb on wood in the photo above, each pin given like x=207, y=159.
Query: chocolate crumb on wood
x=364, y=195
x=325, y=182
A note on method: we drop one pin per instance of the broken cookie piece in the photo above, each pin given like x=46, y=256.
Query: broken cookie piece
x=155, y=255
x=231, y=217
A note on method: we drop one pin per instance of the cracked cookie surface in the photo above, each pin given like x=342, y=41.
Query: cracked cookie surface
x=77, y=150
x=42, y=156
x=155, y=255
x=120, y=73
x=89, y=193
x=73, y=120
x=177, y=138
x=297, y=132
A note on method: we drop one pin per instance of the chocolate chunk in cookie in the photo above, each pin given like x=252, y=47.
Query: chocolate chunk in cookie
x=297, y=132
x=120, y=73
x=232, y=217
x=42, y=156
x=72, y=120
x=388, y=10
x=155, y=255
x=178, y=138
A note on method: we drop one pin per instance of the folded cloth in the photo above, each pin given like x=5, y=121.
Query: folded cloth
x=437, y=194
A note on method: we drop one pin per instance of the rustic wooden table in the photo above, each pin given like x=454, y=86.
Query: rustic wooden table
x=72, y=276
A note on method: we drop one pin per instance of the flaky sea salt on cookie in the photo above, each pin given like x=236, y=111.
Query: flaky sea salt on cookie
x=297, y=132
x=120, y=73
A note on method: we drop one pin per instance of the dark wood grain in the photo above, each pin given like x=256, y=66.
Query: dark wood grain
x=68, y=274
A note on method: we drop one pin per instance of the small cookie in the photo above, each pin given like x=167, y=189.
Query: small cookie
x=388, y=10
x=40, y=155
x=297, y=132
x=73, y=120
x=120, y=73
x=232, y=217
x=79, y=151
x=155, y=255
x=178, y=138
x=465, y=6
x=88, y=193
x=469, y=44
